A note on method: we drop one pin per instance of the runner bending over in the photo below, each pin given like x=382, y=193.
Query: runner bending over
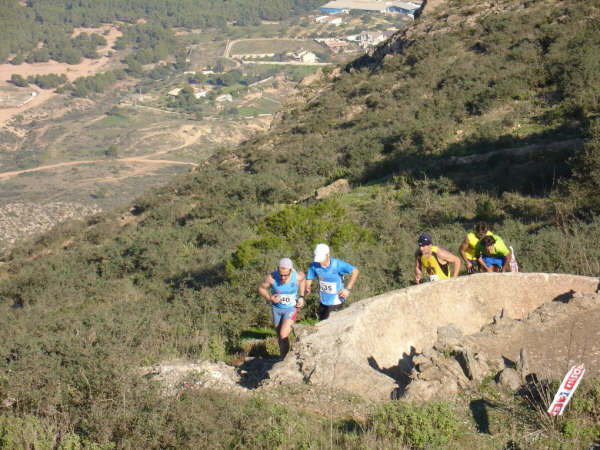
x=492, y=254
x=330, y=272
x=284, y=285
x=432, y=261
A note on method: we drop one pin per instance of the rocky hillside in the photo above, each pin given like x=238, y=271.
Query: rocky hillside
x=175, y=277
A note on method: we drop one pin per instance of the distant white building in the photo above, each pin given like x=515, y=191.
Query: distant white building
x=372, y=6
x=368, y=37
x=224, y=98
x=174, y=92
x=308, y=57
x=200, y=94
x=337, y=21
x=304, y=55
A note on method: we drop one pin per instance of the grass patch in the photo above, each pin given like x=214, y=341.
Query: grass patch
x=257, y=333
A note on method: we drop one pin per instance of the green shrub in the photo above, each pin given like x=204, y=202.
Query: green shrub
x=486, y=209
x=26, y=432
x=432, y=425
x=295, y=228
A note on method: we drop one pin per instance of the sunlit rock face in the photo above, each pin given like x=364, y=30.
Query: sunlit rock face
x=368, y=347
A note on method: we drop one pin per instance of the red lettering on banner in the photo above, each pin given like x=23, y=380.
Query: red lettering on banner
x=572, y=380
x=566, y=390
x=556, y=410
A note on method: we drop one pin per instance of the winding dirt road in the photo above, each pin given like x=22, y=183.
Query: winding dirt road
x=142, y=160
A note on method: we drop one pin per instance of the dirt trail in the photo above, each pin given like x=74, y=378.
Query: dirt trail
x=141, y=159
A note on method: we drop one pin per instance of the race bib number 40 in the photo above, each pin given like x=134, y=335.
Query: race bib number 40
x=328, y=287
x=287, y=299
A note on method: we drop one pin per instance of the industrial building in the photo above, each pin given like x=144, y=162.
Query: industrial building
x=372, y=6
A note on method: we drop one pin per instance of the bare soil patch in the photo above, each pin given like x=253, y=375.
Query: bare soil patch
x=6, y=114
x=86, y=68
x=432, y=5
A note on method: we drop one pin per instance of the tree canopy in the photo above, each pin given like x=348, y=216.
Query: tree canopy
x=48, y=21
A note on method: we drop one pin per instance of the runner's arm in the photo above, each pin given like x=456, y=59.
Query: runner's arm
x=307, y=287
x=417, y=268
x=263, y=289
x=448, y=257
x=353, y=277
x=505, y=267
x=301, y=278
x=310, y=274
x=461, y=250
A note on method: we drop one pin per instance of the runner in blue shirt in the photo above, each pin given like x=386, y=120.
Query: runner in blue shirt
x=280, y=289
x=330, y=273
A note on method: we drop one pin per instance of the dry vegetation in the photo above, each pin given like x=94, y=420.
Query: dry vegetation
x=179, y=281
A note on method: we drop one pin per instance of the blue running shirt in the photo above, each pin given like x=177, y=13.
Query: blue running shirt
x=331, y=279
x=287, y=292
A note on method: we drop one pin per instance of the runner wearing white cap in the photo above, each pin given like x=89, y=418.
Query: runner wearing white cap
x=330, y=272
x=284, y=284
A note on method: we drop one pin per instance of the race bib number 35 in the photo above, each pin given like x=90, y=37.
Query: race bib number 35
x=328, y=287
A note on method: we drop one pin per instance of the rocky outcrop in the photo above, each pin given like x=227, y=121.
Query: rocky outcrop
x=181, y=374
x=374, y=346
x=336, y=187
x=446, y=368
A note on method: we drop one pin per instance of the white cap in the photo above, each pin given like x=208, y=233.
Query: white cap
x=285, y=263
x=321, y=252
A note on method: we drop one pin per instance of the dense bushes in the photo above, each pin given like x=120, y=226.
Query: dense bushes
x=52, y=21
x=415, y=427
x=84, y=86
x=585, y=183
x=180, y=280
x=48, y=81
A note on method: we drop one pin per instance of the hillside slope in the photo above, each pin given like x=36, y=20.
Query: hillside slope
x=175, y=277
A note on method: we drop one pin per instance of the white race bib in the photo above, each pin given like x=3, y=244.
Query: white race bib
x=328, y=287
x=433, y=278
x=287, y=299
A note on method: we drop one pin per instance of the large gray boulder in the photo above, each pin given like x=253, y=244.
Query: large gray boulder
x=368, y=348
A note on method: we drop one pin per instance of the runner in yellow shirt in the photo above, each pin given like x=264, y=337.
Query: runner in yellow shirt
x=433, y=261
x=467, y=247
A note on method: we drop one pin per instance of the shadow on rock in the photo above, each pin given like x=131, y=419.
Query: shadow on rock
x=564, y=298
x=254, y=371
x=400, y=372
